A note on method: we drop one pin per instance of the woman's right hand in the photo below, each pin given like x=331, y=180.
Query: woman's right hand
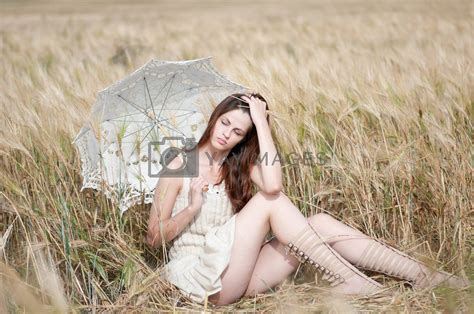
x=195, y=192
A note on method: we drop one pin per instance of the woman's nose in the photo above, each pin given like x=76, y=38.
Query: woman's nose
x=227, y=134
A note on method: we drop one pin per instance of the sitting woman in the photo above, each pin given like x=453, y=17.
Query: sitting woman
x=218, y=229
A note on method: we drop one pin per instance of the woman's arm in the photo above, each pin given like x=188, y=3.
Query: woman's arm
x=269, y=168
x=162, y=231
x=269, y=165
x=161, y=226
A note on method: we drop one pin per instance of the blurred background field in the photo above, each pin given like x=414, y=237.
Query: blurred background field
x=385, y=88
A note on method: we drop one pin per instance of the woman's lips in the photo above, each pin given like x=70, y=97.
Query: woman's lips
x=221, y=141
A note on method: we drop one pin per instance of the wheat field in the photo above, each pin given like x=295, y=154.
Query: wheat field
x=383, y=88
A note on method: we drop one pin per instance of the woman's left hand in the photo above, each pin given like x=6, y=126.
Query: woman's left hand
x=258, y=111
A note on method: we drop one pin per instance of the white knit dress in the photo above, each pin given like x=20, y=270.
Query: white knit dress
x=201, y=252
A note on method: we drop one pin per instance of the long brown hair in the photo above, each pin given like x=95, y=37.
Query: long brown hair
x=235, y=170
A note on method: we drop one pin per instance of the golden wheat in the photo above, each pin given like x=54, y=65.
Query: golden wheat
x=383, y=90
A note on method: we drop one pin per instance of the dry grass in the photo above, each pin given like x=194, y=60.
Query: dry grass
x=383, y=87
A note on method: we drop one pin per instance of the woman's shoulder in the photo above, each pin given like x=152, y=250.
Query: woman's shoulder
x=176, y=181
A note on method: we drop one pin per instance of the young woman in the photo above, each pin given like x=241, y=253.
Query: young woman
x=218, y=228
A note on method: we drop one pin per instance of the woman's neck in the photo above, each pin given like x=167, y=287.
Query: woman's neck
x=210, y=162
x=212, y=157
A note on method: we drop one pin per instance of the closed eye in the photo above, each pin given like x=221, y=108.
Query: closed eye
x=239, y=133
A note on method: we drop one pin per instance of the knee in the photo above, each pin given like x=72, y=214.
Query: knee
x=321, y=219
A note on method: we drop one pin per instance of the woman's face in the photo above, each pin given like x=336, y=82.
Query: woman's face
x=231, y=127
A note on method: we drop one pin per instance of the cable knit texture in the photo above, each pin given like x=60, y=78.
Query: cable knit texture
x=201, y=252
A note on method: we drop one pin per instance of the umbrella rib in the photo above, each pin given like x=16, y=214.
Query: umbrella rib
x=172, y=129
x=138, y=131
x=184, y=114
x=149, y=96
x=164, y=120
x=117, y=120
x=136, y=146
x=172, y=109
x=126, y=115
x=164, y=87
x=167, y=93
x=132, y=104
x=180, y=115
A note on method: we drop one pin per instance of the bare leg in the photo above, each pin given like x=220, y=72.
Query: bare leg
x=252, y=224
x=272, y=267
